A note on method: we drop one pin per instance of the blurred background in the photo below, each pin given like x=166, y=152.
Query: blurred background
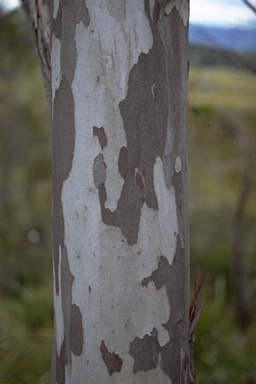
x=222, y=186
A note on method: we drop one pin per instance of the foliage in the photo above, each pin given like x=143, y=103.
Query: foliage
x=221, y=132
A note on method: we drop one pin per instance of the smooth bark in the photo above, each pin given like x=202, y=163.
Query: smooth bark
x=120, y=200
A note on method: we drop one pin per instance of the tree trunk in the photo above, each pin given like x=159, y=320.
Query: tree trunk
x=120, y=210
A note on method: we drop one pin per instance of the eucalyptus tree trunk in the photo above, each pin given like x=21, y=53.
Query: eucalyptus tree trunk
x=120, y=210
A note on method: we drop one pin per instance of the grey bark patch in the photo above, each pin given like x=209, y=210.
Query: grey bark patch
x=175, y=277
x=81, y=12
x=76, y=331
x=112, y=361
x=56, y=24
x=122, y=162
x=99, y=170
x=130, y=206
x=145, y=352
x=66, y=289
x=61, y=362
x=174, y=38
x=68, y=51
x=70, y=14
x=116, y=8
x=175, y=280
x=155, y=10
x=63, y=142
x=145, y=121
x=100, y=133
x=145, y=124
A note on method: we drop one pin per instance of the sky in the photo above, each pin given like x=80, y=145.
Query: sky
x=230, y=13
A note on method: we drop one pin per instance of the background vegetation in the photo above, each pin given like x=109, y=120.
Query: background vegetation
x=222, y=159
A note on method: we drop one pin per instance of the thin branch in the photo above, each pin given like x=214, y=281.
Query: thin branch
x=2, y=342
x=235, y=58
x=23, y=355
x=194, y=314
x=39, y=16
x=250, y=5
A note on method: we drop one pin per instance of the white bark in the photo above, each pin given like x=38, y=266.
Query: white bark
x=103, y=275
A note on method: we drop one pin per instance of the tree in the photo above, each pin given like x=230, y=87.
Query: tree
x=120, y=210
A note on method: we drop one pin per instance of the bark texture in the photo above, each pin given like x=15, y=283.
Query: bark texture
x=38, y=12
x=120, y=212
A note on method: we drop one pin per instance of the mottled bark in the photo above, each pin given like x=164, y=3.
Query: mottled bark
x=120, y=209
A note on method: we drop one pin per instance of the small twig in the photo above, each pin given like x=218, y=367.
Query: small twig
x=196, y=307
x=15, y=356
x=2, y=342
x=194, y=314
x=234, y=57
x=23, y=355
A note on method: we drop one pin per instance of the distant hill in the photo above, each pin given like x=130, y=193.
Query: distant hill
x=236, y=39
